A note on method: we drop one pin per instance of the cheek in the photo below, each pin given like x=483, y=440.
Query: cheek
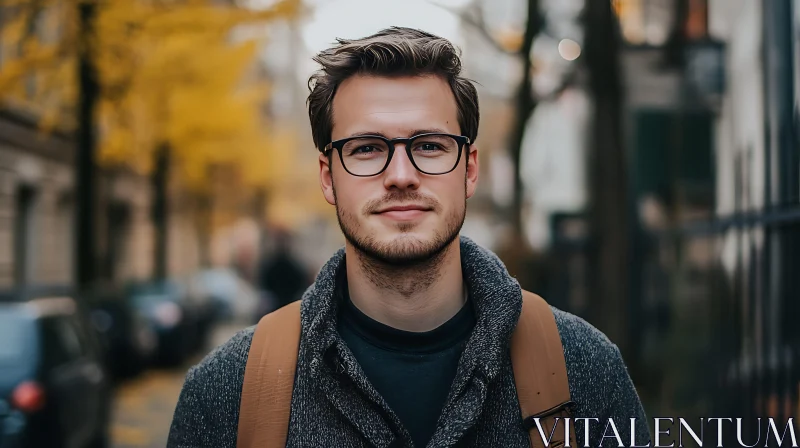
x=453, y=193
x=350, y=195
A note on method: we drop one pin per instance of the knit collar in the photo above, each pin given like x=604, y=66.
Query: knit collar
x=497, y=298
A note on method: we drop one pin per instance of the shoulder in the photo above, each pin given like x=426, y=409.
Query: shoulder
x=599, y=381
x=224, y=366
x=593, y=361
x=207, y=412
x=583, y=343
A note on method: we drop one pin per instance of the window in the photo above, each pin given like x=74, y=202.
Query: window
x=23, y=235
x=696, y=26
x=61, y=343
x=17, y=337
x=651, y=21
x=645, y=21
x=65, y=210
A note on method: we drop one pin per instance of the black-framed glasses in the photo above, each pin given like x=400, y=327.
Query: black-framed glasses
x=369, y=155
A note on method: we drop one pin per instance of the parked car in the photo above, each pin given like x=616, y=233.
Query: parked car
x=54, y=390
x=176, y=317
x=204, y=309
x=130, y=341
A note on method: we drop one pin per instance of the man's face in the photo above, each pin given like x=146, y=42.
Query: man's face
x=367, y=206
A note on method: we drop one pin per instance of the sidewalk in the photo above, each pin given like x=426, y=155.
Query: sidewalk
x=143, y=407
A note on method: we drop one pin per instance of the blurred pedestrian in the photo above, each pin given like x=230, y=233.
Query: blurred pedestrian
x=281, y=275
x=405, y=336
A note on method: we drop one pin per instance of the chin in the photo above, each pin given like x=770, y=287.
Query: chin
x=402, y=248
x=408, y=242
x=406, y=252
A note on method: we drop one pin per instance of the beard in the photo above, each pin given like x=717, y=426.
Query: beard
x=404, y=250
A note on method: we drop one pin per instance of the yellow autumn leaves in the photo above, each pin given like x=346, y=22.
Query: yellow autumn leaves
x=37, y=71
x=169, y=72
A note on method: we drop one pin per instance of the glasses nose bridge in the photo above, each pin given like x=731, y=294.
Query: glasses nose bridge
x=393, y=143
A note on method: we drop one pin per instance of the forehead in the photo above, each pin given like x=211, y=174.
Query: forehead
x=395, y=106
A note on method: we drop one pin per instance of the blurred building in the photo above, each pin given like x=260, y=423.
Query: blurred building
x=668, y=119
x=37, y=210
x=713, y=177
x=35, y=204
x=755, y=236
x=711, y=186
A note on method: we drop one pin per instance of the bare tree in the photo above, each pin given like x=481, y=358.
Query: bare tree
x=85, y=151
x=609, y=221
x=515, y=254
x=524, y=101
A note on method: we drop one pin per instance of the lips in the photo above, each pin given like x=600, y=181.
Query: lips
x=403, y=212
x=404, y=208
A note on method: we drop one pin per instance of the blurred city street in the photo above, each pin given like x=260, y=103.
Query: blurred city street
x=143, y=407
x=639, y=168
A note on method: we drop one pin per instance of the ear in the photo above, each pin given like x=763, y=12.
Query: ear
x=473, y=168
x=326, y=178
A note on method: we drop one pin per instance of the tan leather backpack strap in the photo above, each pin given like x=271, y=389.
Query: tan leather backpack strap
x=269, y=380
x=540, y=373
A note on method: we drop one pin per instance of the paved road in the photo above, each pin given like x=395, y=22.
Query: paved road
x=144, y=406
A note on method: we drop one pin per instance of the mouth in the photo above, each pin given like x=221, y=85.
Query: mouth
x=403, y=212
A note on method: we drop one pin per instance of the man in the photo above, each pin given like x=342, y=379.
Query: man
x=281, y=274
x=405, y=333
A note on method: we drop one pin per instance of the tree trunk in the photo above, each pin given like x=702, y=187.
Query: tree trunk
x=525, y=104
x=161, y=212
x=85, y=163
x=515, y=253
x=608, y=206
x=203, y=214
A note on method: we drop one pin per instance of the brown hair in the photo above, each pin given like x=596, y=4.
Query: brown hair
x=394, y=51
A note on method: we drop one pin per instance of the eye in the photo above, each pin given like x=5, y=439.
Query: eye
x=429, y=147
x=365, y=149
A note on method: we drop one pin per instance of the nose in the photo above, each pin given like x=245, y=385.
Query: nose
x=400, y=173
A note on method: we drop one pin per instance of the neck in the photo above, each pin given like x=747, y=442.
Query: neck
x=417, y=297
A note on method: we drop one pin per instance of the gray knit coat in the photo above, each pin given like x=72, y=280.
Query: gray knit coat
x=334, y=404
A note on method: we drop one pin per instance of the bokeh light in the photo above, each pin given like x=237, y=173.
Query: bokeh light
x=569, y=49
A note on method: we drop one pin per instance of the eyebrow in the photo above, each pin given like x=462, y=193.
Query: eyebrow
x=414, y=133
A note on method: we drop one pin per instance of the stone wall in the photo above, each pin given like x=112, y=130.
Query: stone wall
x=36, y=247
x=47, y=225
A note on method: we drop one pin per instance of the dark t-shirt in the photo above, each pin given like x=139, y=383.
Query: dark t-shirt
x=412, y=371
